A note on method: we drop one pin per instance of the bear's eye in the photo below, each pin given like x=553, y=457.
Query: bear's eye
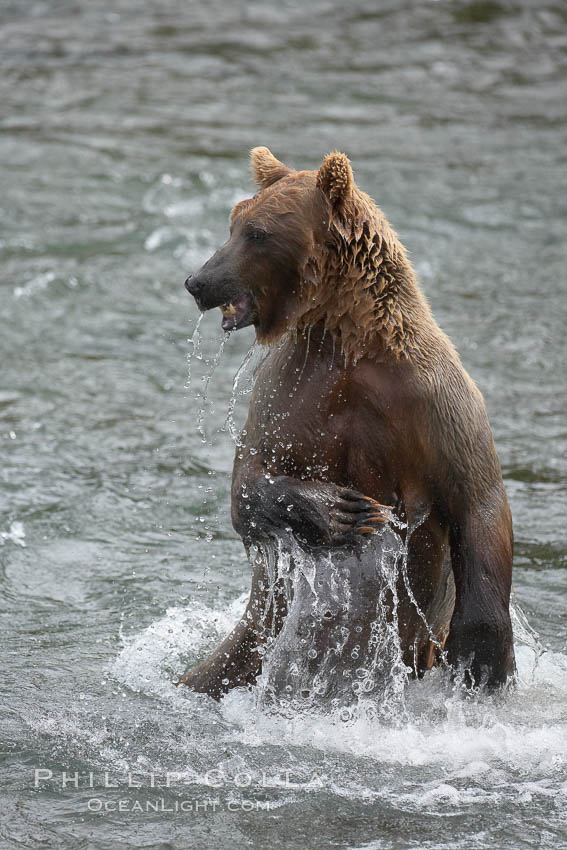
x=256, y=234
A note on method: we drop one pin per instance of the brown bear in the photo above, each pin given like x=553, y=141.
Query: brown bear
x=362, y=417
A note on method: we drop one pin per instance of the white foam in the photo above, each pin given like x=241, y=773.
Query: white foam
x=152, y=659
x=16, y=534
x=466, y=751
x=527, y=728
x=36, y=284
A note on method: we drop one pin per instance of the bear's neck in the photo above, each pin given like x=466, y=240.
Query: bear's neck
x=365, y=293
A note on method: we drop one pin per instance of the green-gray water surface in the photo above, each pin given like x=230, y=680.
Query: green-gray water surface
x=124, y=130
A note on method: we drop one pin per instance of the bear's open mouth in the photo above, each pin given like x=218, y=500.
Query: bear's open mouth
x=239, y=313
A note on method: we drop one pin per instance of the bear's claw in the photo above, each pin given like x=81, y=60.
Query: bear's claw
x=355, y=513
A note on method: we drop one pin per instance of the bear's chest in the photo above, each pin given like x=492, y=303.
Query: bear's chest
x=298, y=418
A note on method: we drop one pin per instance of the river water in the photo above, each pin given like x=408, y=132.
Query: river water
x=124, y=130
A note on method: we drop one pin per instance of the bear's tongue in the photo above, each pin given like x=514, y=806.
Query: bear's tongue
x=237, y=314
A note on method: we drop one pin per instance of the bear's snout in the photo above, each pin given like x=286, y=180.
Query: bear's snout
x=193, y=285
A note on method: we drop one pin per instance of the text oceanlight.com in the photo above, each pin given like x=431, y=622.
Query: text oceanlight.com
x=163, y=806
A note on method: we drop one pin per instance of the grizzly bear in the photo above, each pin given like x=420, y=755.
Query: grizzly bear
x=362, y=419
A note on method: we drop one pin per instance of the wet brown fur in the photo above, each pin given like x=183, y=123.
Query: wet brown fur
x=385, y=406
x=358, y=281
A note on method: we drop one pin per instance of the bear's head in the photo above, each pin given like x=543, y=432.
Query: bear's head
x=308, y=247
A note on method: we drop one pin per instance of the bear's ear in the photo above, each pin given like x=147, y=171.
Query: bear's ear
x=266, y=169
x=335, y=177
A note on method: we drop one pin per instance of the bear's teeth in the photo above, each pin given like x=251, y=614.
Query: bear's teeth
x=228, y=309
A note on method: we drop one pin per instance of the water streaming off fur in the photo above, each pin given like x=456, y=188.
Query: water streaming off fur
x=125, y=128
x=319, y=661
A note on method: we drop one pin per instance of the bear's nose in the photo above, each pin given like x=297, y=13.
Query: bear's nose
x=192, y=285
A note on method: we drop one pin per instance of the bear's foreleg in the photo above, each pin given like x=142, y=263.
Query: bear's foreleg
x=480, y=642
x=237, y=661
x=317, y=513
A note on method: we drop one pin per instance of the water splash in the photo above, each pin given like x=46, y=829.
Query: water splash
x=238, y=392
x=445, y=754
x=332, y=361
x=255, y=356
x=195, y=353
x=339, y=648
x=412, y=528
x=306, y=354
x=206, y=381
x=302, y=370
x=526, y=636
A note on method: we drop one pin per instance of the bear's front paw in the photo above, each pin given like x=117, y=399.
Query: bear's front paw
x=481, y=652
x=352, y=513
x=200, y=680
